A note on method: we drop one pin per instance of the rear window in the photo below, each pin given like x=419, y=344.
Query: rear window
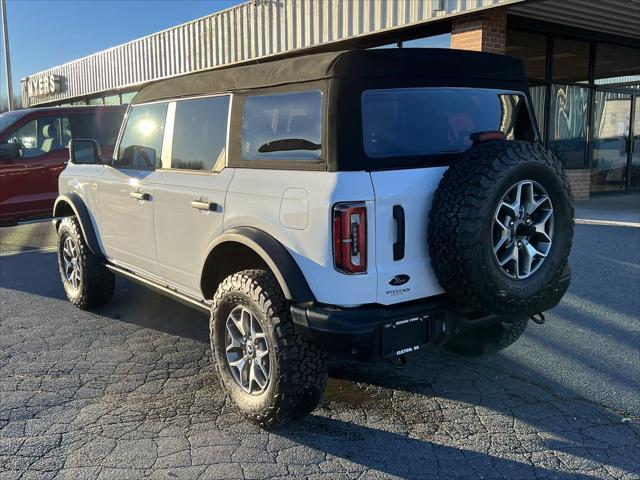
x=282, y=126
x=431, y=121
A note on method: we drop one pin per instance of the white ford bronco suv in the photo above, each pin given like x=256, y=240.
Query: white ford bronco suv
x=366, y=203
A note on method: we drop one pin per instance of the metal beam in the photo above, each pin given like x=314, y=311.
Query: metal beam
x=7, y=59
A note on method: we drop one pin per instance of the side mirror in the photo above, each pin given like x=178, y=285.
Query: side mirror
x=85, y=151
x=9, y=151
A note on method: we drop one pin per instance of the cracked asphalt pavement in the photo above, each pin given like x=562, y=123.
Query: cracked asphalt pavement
x=128, y=391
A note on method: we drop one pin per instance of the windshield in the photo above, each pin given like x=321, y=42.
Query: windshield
x=413, y=122
x=9, y=118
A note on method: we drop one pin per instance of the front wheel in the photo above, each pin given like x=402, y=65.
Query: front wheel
x=269, y=371
x=87, y=282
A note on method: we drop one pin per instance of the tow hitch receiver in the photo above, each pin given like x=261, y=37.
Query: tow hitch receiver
x=538, y=318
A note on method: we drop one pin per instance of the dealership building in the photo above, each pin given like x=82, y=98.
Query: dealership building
x=582, y=58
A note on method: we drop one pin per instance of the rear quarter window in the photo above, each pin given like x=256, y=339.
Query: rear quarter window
x=284, y=126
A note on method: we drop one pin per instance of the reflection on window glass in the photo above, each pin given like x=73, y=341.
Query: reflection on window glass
x=282, y=126
x=538, y=97
x=200, y=133
x=102, y=126
x=38, y=137
x=611, y=122
x=570, y=60
x=9, y=118
x=428, y=121
x=141, y=144
x=568, y=124
x=616, y=65
x=531, y=48
x=96, y=101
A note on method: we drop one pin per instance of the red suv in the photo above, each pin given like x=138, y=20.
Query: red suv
x=33, y=152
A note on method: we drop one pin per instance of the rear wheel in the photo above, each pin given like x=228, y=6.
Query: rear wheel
x=87, y=282
x=269, y=371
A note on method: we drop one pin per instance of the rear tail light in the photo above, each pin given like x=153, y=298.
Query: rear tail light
x=350, y=237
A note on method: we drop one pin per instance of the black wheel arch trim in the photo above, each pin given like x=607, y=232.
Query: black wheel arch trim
x=75, y=202
x=291, y=279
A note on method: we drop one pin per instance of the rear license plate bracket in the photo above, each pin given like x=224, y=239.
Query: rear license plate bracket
x=404, y=336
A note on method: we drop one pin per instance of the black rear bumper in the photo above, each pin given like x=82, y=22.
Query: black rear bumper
x=372, y=332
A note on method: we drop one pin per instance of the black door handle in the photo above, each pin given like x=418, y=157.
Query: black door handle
x=140, y=196
x=203, y=205
x=398, y=246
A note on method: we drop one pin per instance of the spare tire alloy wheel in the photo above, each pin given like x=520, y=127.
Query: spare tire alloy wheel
x=247, y=350
x=501, y=228
x=523, y=229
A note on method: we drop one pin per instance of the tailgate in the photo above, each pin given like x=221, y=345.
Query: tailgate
x=404, y=276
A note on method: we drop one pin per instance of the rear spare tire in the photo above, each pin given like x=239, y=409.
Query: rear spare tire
x=501, y=227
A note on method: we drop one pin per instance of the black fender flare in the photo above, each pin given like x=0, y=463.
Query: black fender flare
x=76, y=204
x=291, y=279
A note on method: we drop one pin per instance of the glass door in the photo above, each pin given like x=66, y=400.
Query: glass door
x=634, y=167
x=611, y=129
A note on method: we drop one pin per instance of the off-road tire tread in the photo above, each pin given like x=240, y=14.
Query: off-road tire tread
x=98, y=283
x=454, y=223
x=303, y=374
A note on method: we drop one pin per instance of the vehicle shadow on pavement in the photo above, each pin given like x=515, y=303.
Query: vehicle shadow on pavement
x=405, y=457
x=442, y=413
x=36, y=273
x=436, y=385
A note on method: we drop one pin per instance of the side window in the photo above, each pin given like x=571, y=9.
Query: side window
x=282, y=126
x=39, y=137
x=200, y=133
x=103, y=126
x=141, y=144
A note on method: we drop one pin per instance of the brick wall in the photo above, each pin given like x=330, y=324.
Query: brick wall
x=580, y=181
x=485, y=32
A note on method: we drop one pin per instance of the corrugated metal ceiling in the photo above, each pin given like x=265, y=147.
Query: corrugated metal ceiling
x=619, y=17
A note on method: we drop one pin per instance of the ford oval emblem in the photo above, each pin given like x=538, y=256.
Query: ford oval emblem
x=399, y=280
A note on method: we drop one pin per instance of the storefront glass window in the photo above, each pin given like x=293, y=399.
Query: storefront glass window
x=538, y=97
x=611, y=122
x=570, y=60
x=112, y=100
x=531, y=48
x=126, y=97
x=568, y=124
x=617, y=65
x=96, y=101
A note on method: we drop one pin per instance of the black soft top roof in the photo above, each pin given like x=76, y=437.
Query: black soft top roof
x=445, y=66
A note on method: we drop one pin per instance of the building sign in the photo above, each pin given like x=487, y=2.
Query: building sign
x=44, y=85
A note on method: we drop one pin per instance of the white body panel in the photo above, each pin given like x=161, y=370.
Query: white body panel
x=168, y=239
x=84, y=180
x=127, y=224
x=265, y=199
x=183, y=233
x=413, y=190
